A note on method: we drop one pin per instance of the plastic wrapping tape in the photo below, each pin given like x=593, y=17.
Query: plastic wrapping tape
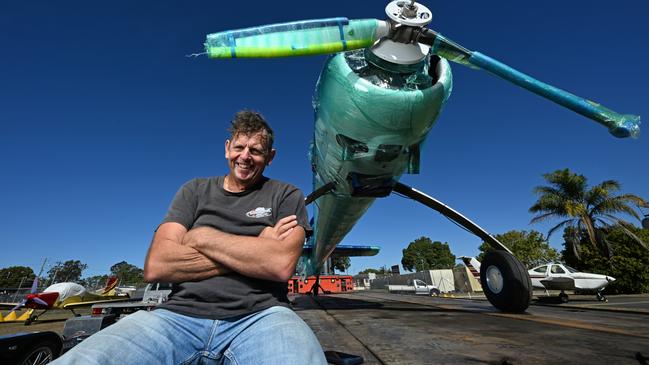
x=370, y=121
x=308, y=37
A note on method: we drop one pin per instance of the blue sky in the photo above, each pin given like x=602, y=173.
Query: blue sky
x=103, y=117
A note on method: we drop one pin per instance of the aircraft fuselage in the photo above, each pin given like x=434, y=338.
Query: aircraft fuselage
x=368, y=132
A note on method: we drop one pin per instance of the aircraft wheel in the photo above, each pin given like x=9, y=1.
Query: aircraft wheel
x=563, y=297
x=42, y=353
x=30, y=320
x=505, y=282
x=434, y=292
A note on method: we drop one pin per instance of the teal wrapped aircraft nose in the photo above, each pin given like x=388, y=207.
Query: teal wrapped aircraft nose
x=372, y=118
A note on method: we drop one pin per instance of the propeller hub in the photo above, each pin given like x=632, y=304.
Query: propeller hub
x=408, y=13
x=406, y=21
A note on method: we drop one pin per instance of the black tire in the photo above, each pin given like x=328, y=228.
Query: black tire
x=563, y=297
x=505, y=282
x=434, y=292
x=42, y=353
x=30, y=320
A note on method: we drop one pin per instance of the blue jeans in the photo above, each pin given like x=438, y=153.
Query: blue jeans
x=272, y=336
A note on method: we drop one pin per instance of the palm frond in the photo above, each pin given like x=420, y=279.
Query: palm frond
x=610, y=185
x=545, y=190
x=626, y=228
x=543, y=217
x=567, y=222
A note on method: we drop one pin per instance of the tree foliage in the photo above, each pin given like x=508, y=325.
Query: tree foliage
x=14, y=276
x=628, y=264
x=592, y=210
x=94, y=282
x=127, y=274
x=67, y=271
x=341, y=263
x=531, y=248
x=423, y=254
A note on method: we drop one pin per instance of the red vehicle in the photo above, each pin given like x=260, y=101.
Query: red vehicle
x=329, y=284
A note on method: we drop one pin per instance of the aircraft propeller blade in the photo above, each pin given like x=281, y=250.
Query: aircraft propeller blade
x=307, y=37
x=19, y=305
x=619, y=125
x=34, y=286
x=40, y=301
x=33, y=290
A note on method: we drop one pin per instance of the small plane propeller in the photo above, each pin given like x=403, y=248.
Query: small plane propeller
x=402, y=39
x=32, y=291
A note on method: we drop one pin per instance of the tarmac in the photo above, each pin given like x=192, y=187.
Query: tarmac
x=386, y=328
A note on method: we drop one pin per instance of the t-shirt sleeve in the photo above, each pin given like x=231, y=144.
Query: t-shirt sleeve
x=183, y=207
x=293, y=203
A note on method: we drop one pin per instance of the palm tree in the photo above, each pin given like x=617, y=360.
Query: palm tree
x=590, y=210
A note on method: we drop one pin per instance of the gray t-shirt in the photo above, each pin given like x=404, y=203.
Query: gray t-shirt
x=204, y=202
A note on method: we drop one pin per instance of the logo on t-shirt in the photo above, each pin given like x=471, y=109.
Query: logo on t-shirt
x=260, y=212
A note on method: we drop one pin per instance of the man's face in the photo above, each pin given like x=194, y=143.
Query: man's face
x=247, y=157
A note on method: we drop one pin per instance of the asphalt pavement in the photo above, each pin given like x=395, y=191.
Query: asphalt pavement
x=385, y=328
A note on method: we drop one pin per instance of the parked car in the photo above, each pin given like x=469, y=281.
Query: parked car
x=415, y=286
x=34, y=348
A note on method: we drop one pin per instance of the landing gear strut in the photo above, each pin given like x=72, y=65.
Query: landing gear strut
x=317, y=287
x=33, y=317
x=601, y=297
x=505, y=281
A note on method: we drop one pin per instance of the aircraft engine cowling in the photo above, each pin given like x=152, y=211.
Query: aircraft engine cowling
x=371, y=120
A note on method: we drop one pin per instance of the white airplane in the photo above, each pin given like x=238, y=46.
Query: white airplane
x=557, y=276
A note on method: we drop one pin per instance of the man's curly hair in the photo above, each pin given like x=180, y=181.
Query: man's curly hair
x=249, y=122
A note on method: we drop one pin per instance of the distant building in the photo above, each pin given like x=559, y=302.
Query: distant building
x=442, y=279
x=363, y=281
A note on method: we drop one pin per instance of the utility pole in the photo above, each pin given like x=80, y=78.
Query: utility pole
x=41, y=270
x=54, y=277
x=17, y=290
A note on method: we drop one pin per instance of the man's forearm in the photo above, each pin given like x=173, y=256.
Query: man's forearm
x=170, y=261
x=258, y=257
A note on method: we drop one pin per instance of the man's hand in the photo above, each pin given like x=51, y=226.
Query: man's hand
x=281, y=230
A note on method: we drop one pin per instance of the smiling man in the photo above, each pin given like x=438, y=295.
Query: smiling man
x=229, y=244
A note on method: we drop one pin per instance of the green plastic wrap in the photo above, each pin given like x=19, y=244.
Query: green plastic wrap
x=309, y=37
x=370, y=123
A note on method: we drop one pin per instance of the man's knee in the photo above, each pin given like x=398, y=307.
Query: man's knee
x=282, y=334
x=285, y=320
x=129, y=341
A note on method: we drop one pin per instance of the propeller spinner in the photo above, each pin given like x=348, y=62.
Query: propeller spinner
x=402, y=39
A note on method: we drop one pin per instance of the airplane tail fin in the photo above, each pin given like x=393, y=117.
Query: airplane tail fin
x=473, y=265
x=111, y=284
